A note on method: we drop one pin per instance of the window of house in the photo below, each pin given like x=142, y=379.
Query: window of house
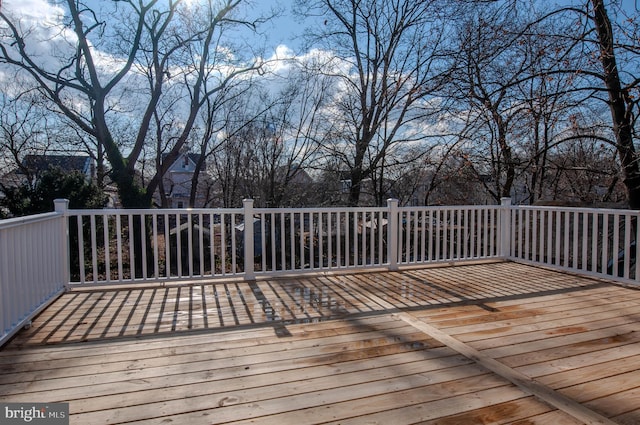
x=345, y=186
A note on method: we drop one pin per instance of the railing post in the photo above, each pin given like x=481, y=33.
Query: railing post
x=505, y=227
x=249, y=273
x=61, y=206
x=392, y=234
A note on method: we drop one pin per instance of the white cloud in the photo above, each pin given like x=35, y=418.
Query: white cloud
x=34, y=11
x=42, y=26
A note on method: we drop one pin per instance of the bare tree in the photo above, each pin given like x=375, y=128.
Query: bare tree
x=601, y=57
x=388, y=58
x=269, y=138
x=585, y=171
x=623, y=104
x=493, y=61
x=22, y=132
x=294, y=128
x=97, y=66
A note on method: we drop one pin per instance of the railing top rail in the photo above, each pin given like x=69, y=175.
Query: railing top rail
x=154, y=211
x=321, y=210
x=449, y=207
x=161, y=211
x=574, y=209
x=18, y=221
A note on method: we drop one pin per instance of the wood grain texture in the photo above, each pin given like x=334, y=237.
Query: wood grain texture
x=334, y=349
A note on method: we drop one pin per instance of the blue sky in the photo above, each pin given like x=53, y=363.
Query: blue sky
x=282, y=30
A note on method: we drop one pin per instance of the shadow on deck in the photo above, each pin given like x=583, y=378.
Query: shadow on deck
x=96, y=314
x=483, y=343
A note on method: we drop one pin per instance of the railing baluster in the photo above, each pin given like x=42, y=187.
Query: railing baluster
x=565, y=232
x=80, y=229
x=594, y=242
x=556, y=256
x=354, y=245
x=347, y=252
x=212, y=244
x=616, y=243
x=167, y=247
x=450, y=225
x=520, y=235
x=330, y=240
x=190, y=243
x=301, y=238
x=94, y=247
x=363, y=239
x=487, y=234
x=223, y=244
x=132, y=256
x=312, y=240
x=627, y=244
x=263, y=241
x=636, y=265
x=201, y=243
x=584, y=239
x=549, y=238
x=576, y=236
x=460, y=230
x=473, y=233
x=234, y=265
x=535, y=249
x=372, y=238
x=294, y=229
x=438, y=238
x=179, y=255
x=283, y=252
x=143, y=243
x=319, y=264
x=605, y=241
x=154, y=232
x=118, y=245
x=468, y=234
x=107, y=251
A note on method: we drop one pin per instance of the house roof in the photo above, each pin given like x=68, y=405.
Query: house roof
x=194, y=157
x=38, y=163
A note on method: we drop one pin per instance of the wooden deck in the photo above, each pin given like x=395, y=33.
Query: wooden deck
x=475, y=344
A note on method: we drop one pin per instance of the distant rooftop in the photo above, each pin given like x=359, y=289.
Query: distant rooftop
x=37, y=163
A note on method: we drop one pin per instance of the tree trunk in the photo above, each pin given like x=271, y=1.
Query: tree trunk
x=356, y=187
x=618, y=101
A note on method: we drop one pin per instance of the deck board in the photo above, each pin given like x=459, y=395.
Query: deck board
x=334, y=349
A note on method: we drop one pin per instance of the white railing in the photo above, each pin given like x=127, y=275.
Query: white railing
x=33, y=258
x=595, y=242
x=117, y=246
x=446, y=234
x=297, y=240
x=129, y=245
x=40, y=255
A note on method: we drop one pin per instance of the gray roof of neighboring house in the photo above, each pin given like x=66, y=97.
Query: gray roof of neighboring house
x=195, y=157
x=38, y=163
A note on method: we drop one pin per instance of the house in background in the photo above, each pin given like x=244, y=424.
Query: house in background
x=37, y=164
x=178, y=179
x=32, y=167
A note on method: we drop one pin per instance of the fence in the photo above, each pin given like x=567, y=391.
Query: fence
x=40, y=255
x=115, y=246
x=595, y=242
x=32, y=268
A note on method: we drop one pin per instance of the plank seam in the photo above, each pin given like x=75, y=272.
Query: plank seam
x=522, y=381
